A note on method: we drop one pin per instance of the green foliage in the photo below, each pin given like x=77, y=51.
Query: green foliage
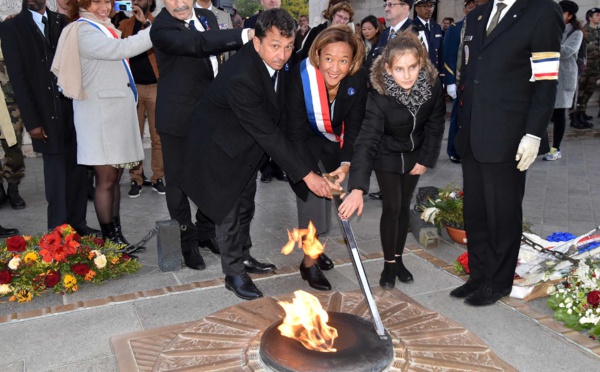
x=295, y=7
x=247, y=8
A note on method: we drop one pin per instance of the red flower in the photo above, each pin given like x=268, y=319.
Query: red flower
x=5, y=277
x=593, y=298
x=80, y=269
x=71, y=245
x=99, y=242
x=52, y=279
x=77, y=238
x=16, y=244
x=463, y=259
x=63, y=229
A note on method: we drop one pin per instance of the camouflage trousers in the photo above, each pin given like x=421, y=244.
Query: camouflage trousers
x=587, y=86
x=13, y=167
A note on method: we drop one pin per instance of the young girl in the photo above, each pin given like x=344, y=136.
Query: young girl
x=399, y=139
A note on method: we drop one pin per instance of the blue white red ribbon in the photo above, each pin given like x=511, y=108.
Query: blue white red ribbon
x=544, y=66
x=112, y=34
x=317, y=102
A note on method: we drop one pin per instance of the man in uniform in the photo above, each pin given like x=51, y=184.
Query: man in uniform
x=430, y=33
x=508, y=82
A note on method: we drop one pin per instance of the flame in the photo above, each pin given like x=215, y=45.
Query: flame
x=306, y=321
x=306, y=239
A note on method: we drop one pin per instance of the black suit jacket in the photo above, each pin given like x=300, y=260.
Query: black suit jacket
x=497, y=102
x=434, y=42
x=233, y=126
x=28, y=57
x=184, y=66
x=349, y=112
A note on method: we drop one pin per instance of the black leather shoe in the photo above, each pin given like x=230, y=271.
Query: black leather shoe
x=455, y=159
x=242, y=286
x=403, y=274
x=281, y=176
x=325, y=262
x=315, y=278
x=15, y=200
x=193, y=259
x=265, y=179
x=485, y=296
x=85, y=230
x=6, y=232
x=465, y=290
x=376, y=195
x=388, y=275
x=255, y=267
x=210, y=244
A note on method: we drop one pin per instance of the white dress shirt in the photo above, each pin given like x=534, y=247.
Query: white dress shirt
x=508, y=3
x=37, y=18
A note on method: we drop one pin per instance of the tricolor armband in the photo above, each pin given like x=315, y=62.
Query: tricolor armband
x=544, y=66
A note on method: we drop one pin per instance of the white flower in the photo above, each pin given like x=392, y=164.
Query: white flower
x=100, y=261
x=5, y=289
x=453, y=195
x=96, y=252
x=14, y=263
x=550, y=290
x=569, y=311
x=429, y=214
x=561, y=305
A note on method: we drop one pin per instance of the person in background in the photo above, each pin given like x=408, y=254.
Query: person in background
x=567, y=75
x=91, y=68
x=236, y=19
x=446, y=22
x=303, y=29
x=331, y=81
x=370, y=33
x=591, y=74
x=400, y=138
x=430, y=33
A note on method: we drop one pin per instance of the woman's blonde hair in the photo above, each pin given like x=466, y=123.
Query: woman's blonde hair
x=336, y=34
x=408, y=42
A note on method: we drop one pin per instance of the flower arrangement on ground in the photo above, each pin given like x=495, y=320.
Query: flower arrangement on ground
x=576, y=302
x=446, y=209
x=60, y=260
x=461, y=265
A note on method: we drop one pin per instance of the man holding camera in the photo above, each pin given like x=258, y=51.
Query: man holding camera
x=145, y=75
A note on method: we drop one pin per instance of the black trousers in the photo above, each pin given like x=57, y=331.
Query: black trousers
x=233, y=234
x=395, y=216
x=65, y=182
x=493, y=196
x=173, y=149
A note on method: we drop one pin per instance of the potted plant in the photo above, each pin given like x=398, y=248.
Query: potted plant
x=447, y=210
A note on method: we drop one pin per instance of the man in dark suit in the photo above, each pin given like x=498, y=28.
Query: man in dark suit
x=430, y=33
x=234, y=124
x=506, y=96
x=28, y=42
x=186, y=43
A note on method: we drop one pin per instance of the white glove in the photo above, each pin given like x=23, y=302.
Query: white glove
x=451, y=89
x=527, y=151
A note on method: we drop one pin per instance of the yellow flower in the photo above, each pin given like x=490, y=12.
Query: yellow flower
x=100, y=261
x=14, y=263
x=24, y=295
x=30, y=257
x=5, y=289
x=69, y=281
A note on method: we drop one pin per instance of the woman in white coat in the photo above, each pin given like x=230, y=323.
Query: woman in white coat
x=92, y=68
x=567, y=75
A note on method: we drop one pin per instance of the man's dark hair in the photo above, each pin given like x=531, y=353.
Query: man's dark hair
x=152, y=6
x=278, y=18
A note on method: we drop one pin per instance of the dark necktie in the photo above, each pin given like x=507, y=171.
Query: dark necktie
x=192, y=25
x=46, y=28
x=392, y=34
x=274, y=78
x=427, y=26
x=496, y=18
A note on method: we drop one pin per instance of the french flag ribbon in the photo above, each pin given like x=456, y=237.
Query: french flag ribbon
x=317, y=102
x=544, y=66
x=112, y=34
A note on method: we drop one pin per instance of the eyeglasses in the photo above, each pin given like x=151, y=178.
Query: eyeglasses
x=342, y=18
x=391, y=5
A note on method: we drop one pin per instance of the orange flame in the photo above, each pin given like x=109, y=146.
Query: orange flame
x=306, y=321
x=306, y=239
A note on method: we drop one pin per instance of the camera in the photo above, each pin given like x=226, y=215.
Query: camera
x=123, y=6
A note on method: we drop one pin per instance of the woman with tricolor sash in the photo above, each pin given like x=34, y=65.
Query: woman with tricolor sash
x=92, y=67
x=400, y=138
x=325, y=104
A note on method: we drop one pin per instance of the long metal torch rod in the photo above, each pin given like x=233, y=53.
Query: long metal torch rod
x=360, y=271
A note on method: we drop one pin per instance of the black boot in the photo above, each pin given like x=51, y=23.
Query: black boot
x=15, y=200
x=388, y=275
x=3, y=196
x=403, y=274
x=576, y=121
x=120, y=238
x=314, y=276
x=325, y=262
x=6, y=232
x=108, y=231
x=584, y=120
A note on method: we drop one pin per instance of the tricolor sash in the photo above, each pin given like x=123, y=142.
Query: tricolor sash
x=317, y=103
x=112, y=34
x=544, y=66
